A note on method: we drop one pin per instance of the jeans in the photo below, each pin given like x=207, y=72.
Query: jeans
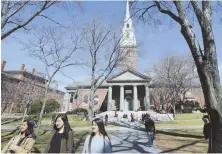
x=150, y=138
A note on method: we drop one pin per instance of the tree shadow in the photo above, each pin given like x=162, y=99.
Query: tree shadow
x=160, y=131
x=179, y=134
x=129, y=142
x=180, y=147
x=10, y=121
x=80, y=140
x=12, y=132
x=36, y=150
x=45, y=131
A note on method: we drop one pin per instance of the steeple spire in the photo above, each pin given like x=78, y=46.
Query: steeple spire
x=127, y=10
x=128, y=42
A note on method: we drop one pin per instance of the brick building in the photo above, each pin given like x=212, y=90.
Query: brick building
x=18, y=87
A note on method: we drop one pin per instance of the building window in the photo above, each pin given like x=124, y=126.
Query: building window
x=71, y=98
x=96, y=100
x=85, y=99
x=127, y=25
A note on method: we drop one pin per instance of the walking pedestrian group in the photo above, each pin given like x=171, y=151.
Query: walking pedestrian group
x=61, y=139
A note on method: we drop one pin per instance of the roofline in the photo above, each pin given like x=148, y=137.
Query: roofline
x=127, y=81
x=85, y=86
x=133, y=72
x=26, y=73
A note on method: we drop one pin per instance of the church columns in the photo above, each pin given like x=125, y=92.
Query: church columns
x=122, y=98
x=135, y=98
x=109, y=105
x=147, y=105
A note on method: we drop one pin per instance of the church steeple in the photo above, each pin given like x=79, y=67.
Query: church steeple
x=128, y=42
x=129, y=38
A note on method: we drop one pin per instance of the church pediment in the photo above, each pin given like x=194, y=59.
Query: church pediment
x=129, y=75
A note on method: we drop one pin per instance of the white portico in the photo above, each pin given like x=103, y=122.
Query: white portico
x=128, y=91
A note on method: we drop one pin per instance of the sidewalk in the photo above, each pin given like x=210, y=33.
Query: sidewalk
x=126, y=140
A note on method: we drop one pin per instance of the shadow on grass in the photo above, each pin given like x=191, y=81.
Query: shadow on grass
x=12, y=132
x=45, y=131
x=180, y=147
x=10, y=121
x=180, y=134
x=36, y=150
x=80, y=140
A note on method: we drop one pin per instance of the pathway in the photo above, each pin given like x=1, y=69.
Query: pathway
x=126, y=140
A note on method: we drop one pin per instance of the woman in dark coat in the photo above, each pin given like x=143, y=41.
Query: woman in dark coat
x=61, y=140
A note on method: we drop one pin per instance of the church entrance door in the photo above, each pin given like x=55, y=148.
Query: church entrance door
x=129, y=102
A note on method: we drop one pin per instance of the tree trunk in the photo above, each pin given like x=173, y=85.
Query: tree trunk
x=43, y=108
x=24, y=114
x=91, y=98
x=209, y=79
x=174, y=112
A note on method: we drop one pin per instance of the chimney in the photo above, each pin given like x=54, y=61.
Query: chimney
x=3, y=65
x=22, y=67
x=33, y=71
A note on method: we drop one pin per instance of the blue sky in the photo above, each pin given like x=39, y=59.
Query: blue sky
x=156, y=43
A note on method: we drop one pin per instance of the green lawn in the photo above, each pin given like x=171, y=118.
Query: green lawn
x=180, y=123
x=181, y=141
x=76, y=118
x=189, y=116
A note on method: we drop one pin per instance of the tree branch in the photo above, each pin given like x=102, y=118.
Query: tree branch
x=168, y=12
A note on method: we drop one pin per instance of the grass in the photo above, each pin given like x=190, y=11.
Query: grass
x=181, y=141
x=73, y=117
x=77, y=118
x=189, y=116
x=79, y=138
x=197, y=122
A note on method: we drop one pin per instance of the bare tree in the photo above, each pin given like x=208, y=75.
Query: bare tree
x=173, y=76
x=205, y=56
x=54, y=50
x=106, y=54
x=12, y=18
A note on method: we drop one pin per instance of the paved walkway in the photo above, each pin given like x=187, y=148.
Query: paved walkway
x=126, y=140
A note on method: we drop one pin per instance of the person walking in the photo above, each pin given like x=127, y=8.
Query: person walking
x=207, y=127
x=24, y=141
x=106, y=119
x=150, y=128
x=61, y=140
x=98, y=141
x=132, y=117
